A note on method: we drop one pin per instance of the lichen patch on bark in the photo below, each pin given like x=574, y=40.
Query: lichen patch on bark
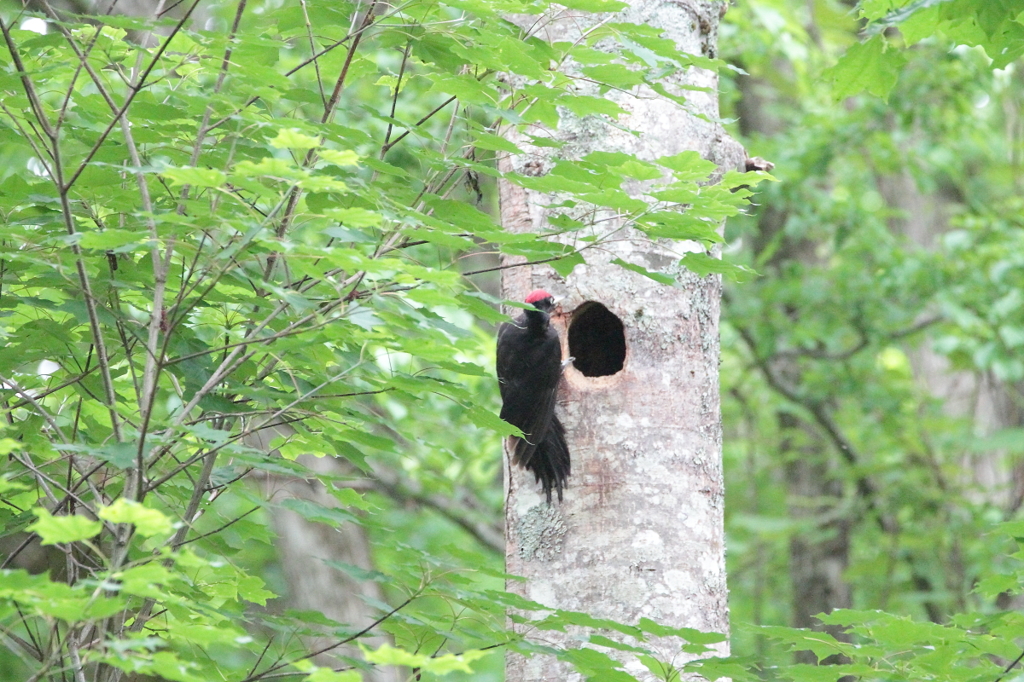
x=540, y=532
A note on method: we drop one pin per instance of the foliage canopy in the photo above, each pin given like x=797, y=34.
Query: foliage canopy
x=251, y=235
x=262, y=228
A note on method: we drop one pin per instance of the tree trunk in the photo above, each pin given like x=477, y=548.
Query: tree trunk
x=640, y=532
x=818, y=556
x=995, y=477
x=304, y=548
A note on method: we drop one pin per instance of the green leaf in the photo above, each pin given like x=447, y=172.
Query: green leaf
x=7, y=485
x=821, y=644
x=251, y=589
x=583, y=105
x=292, y=138
x=196, y=177
x=679, y=226
x=120, y=455
x=595, y=5
x=468, y=89
x=565, y=265
x=146, y=580
x=920, y=25
x=703, y=265
x=867, y=66
x=7, y=446
x=111, y=239
x=495, y=143
x=656, y=276
x=688, y=165
x=991, y=586
x=148, y=522
x=736, y=668
x=596, y=665
x=440, y=665
x=59, y=529
x=339, y=157
x=351, y=498
x=353, y=218
x=689, y=634
x=617, y=75
x=601, y=640
x=477, y=304
x=312, y=511
x=461, y=214
x=488, y=420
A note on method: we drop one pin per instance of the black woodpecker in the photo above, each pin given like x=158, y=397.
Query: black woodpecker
x=529, y=368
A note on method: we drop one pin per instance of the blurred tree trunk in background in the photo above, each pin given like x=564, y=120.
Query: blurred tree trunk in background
x=820, y=546
x=306, y=550
x=993, y=476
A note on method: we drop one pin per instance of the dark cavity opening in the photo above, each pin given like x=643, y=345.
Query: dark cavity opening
x=596, y=340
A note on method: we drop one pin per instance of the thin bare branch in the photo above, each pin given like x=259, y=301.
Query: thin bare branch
x=418, y=123
x=342, y=642
x=32, y=138
x=133, y=91
x=161, y=265
x=217, y=529
x=272, y=420
x=26, y=83
x=42, y=394
x=332, y=103
x=95, y=328
x=511, y=265
x=394, y=99
x=312, y=49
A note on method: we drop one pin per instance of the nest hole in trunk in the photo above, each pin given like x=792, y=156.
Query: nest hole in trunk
x=597, y=340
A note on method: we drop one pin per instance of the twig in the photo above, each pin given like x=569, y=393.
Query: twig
x=332, y=103
x=50, y=391
x=312, y=49
x=486, y=534
x=861, y=345
x=1010, y=667
x=252, y=678
x=218, y=529
x=418, y=123
x=512, y=265
x=394, y=99
x=27, y=84
x=133, y=91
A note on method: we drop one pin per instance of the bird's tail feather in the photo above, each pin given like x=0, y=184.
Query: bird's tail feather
x=548, y=460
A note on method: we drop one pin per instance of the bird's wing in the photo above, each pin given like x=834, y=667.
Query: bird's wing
x=505, y=358
x=533, y=417
x=526, y=404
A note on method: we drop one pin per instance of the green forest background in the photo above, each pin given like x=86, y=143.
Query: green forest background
x=872, y=370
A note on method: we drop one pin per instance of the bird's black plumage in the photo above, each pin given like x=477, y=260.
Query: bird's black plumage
x=529, y=367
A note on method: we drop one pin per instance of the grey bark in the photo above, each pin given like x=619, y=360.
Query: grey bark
x=640, y=533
